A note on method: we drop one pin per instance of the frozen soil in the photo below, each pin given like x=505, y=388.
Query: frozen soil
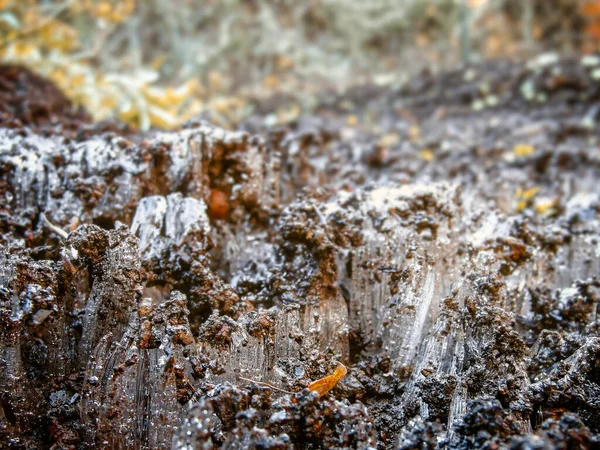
x=441, y=240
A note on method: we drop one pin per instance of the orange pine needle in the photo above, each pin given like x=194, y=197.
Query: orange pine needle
x=324, y=385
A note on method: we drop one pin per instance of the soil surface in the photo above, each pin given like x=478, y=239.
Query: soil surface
x=184, y=289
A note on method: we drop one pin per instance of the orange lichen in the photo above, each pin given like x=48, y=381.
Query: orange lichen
x=324, y=385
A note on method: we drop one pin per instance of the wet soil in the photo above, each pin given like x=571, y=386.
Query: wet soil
x=440, y=239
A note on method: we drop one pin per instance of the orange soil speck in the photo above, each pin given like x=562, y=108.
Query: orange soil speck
x=218, y=204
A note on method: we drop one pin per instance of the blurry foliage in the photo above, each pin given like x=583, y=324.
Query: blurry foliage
x=591, y=12
x=73, y=43
x=159, y=62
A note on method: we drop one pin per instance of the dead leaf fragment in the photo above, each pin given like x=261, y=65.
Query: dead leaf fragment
x=523, y=150
x=324, y=385
x=351, y=120
x=426, y=154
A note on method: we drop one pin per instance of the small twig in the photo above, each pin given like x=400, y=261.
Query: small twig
x=195, y=392
x=265, y=384
x=62, y=233
x=191, y=386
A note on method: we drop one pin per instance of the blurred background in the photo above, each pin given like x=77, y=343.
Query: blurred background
x=157, y=63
